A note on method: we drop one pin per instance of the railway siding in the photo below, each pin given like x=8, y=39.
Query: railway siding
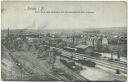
x=38, y=69
x=107, y=64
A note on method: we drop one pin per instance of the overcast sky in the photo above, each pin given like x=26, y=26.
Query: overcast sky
x=17, y=15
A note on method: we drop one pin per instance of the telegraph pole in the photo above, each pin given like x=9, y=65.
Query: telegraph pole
x=118, y=54
x=93, y=42
x=8, y=32
x=8, y=40
x=73, y=40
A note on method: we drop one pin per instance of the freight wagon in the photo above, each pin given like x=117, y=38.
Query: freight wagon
x=71, y=65
x=87, y=63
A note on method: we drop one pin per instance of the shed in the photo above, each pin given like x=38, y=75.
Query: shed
x=84, y=49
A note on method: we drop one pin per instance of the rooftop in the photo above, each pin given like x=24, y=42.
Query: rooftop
x=82, y=46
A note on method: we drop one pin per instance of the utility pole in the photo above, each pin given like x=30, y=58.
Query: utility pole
x=8, y=32
x=8, y=39
x=118, y=54
x=73, y=40
x=93, y=42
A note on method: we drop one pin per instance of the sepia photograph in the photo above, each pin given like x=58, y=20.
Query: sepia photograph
x=64, y=41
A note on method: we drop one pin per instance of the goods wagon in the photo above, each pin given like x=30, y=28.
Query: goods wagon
x=87, y=63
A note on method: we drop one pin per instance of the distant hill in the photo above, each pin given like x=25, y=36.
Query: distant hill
x=109, y=29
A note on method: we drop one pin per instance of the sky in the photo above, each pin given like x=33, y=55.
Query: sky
x=21, y=15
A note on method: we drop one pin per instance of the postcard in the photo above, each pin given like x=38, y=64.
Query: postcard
x=64, y=41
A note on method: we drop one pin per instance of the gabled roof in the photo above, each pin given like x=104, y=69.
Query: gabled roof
x=82, y=46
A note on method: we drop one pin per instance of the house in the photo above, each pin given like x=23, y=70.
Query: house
x=84, y=49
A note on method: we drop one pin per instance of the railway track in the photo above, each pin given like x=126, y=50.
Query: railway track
x=59, y=77
x=111, y=62
x=33, y=68
x=115, y=62
x=75, y=75
x=109, y=65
